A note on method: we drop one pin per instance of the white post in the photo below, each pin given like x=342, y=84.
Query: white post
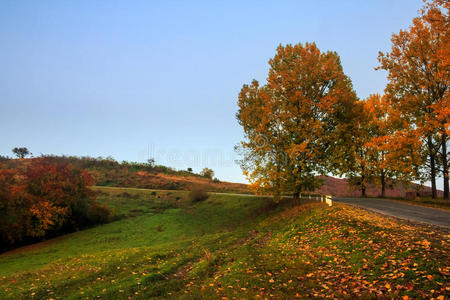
x=329, y=201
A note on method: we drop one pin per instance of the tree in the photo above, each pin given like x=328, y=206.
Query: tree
x=21, y=152
x=207, y=173
x=358, y=160
x=383, y=156
x=151, y=162
x=418, y=74
x=293, y=122
x=189, y=170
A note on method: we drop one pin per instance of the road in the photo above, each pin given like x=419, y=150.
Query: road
x=402, y=210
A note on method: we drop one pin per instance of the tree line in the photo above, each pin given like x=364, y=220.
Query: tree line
x=307, y=119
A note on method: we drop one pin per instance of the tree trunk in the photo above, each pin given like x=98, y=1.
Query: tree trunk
x=383, y=184
x=432, y=167
x=445, y=164
x=363, y=186
x=296, y=198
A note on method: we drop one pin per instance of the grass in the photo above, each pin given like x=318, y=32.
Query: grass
x=233, y=247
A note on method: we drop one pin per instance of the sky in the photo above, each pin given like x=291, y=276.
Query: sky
x=160, y=79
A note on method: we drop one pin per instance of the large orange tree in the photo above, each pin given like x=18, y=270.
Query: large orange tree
x=418, y=85
x=294, y=123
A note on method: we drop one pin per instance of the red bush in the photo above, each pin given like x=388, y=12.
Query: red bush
x=41, y=195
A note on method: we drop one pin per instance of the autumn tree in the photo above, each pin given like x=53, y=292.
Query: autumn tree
x=357, y=155
x=418, y=74
x=291, y=123
x=21, y=152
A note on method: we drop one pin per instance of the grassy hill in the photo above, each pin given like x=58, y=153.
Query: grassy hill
x=109, y=172
x=230, y=247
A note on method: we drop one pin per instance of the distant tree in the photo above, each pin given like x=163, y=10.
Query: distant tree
x=206, y=172
x=189, y=170
x=21, y=152
x=151, y=162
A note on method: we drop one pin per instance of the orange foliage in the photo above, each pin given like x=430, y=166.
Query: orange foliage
x=292, y=123
x=40, y=196
x=418, y=73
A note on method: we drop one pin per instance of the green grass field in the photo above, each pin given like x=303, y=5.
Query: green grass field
x=230, y=247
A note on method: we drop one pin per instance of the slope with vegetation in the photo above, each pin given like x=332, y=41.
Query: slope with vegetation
x=109, y=172
x=168, y=246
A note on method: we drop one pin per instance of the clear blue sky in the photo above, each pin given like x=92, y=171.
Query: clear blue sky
x=124, y=78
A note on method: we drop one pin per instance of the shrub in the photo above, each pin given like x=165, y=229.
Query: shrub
x=128, y=195
x=208, y=173
x=198, y=195
x=99, y=214
x=4, y=158
x=45, y=196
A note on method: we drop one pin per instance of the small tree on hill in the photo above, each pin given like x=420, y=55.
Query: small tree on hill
x=21, y=152
x=151, y=162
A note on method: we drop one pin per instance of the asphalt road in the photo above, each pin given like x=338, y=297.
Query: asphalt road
x=402, y=210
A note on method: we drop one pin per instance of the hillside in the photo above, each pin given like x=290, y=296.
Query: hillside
x=229, y=247
x=109, y=172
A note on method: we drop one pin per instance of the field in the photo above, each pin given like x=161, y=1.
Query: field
x=228, y=247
